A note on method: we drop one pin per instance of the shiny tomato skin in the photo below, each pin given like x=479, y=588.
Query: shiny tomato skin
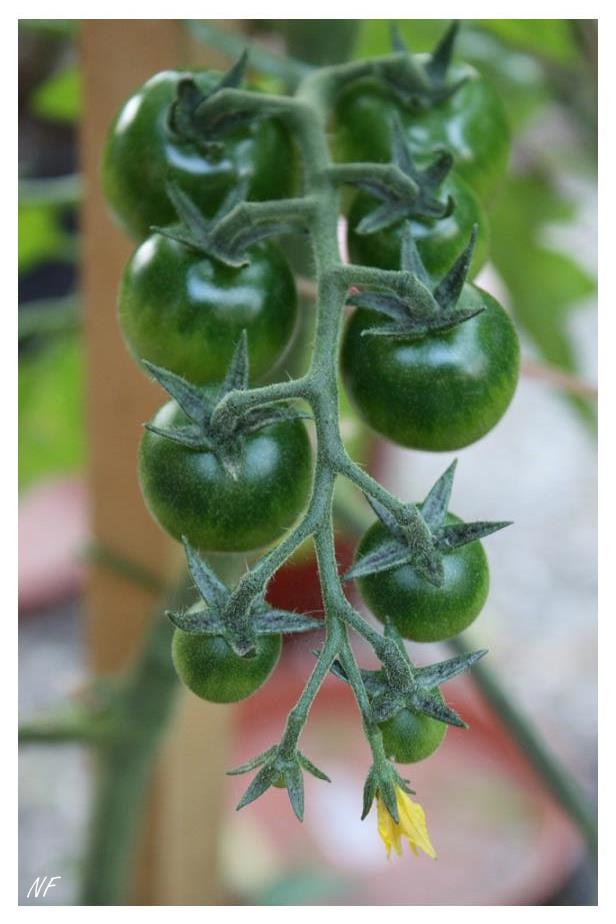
x=141, y=153
x=419, y=610
x=209, y=667
x=410, y=736
x=438, y=393
x=185, y=311
x=189, y=493
x=471, y=124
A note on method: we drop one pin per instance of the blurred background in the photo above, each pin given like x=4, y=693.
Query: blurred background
x=91, y=565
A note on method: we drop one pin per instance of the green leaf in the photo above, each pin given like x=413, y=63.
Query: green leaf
x=549, y=38
x=40, y=236
x=544, y=285
x=51, y=427
x=59, y=97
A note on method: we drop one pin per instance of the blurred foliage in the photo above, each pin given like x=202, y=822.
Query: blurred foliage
x=51, y=431
x=54, y=28
x=39, y=236
x=544, y=285
x=318, y=41
x=51, y=427
x=59, y=97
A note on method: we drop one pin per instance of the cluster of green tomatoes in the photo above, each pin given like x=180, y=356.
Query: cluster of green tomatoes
x=203, y=328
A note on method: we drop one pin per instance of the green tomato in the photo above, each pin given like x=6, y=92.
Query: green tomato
x=471, y=124
x=419, y=610
x=210, y=668
x=184, y=311
x=189, y=493
x=440, y=242
x=440, y=392
x=410, y=736
x=142, y=153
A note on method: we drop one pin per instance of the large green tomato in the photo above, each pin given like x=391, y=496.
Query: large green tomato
x=471, y=124
x=419, y=610
x=142, y=152
x=439, y=241
x=184, y=311
x=440, y=392
x=211, y=669
x=189, y=493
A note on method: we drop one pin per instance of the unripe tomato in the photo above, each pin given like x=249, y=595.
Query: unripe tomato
x=210, y=668
x=419, y=610
x=185, y=311
x=471, y=124
x=142, y=153
x=439, y=241
x=189, y=493
x=440, y=392
x=410, y=736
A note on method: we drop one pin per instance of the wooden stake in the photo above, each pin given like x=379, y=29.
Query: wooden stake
x=177, y=862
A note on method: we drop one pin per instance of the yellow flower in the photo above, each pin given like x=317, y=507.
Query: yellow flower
x=412, y=826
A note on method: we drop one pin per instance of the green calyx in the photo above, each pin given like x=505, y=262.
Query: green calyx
x=221, y=238
x=414, y=308
x=417, y=85
x=185, y=118
x=221, y=434
x=215, y=617
x=385, y=702
x=383, y=779
x=420, y=536
x=423, y=204
x=280, y=767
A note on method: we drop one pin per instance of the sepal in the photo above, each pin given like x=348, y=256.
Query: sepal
x=209, y=429
x=413, y=309
x=186, y=114
x=212, y=590
x=423, y=702
x=418, y=200
x=269, y=621
x=420, y=86
x=195, y=231
x=458, y=534
x=191, y=399
x=387, y=556
x=435, y=506
x=411, y=543
x=435, y=674
x=383, y=780
x=281, y=769
x=252, y=764
x=418, y=535
x=197, y=622
x=214, y=619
